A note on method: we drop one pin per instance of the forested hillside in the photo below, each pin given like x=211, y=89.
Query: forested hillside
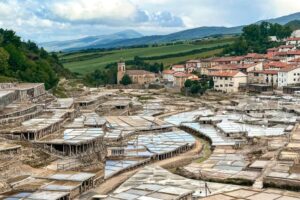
x=256, y=38
x=26, y=62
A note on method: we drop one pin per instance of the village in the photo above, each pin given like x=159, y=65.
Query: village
x=278, y=70
x=239, y=140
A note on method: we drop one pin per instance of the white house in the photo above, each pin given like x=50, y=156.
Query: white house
x=288, y=76
x=286, y=48
x=228, y=81
x=178, y=68
x=296, y=33
x=293, y=41
x=168, y=75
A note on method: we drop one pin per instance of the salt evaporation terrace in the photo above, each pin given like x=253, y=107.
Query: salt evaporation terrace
x=157, y=146
x=154, y=182
x=223, y=128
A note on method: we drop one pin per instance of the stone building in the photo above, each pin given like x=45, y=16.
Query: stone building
x=137, y=76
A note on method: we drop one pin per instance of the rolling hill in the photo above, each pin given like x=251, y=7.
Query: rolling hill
x=86, y=62
x=91, y=41
x=132, y=38
x=284, y=19
x=294, y=25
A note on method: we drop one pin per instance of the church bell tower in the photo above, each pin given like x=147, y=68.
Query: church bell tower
x=121, y=71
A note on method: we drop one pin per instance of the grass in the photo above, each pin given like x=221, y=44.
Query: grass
x=169, y=61
x=83, y=63
x=206, y=151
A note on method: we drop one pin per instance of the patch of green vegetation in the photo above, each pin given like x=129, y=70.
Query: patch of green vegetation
x=26, y=62
x=5, y=79
x=206, y=151
x=256, y=38
x=181, y=59
x=59, y=92
x=166, y=54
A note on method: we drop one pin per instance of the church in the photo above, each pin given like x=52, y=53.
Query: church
x=140, y=77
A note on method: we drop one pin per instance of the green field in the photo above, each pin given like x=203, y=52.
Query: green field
x=83, y=63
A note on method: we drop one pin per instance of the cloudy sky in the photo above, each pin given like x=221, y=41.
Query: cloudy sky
x=48, y=20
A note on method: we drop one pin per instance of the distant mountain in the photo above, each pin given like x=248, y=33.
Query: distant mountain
x=294, y=25
x=196, y=33
x=284, y=19
x=182, y=35
x=90, y=42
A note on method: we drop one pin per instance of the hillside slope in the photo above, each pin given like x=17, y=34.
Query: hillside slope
x=294, y=25
x=24, y=61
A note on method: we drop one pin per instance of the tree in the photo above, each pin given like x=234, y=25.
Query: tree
x=43, y=53
x=256, y=38
x=195, y=88
x=188, y=83
x=4, y=56
x=126, y=80
x=211, y=83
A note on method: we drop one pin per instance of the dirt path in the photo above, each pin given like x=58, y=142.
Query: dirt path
x=171, y=163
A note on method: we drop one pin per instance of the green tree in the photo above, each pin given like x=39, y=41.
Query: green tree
x=126, y=80
x=195, y=88
x=188, y=83
x=4, y=56
x=256, y=38
x=211, y=83
x=43, y=53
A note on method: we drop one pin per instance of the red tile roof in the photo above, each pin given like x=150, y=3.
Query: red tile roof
x=280, y=53
x=286, y=46
x=228, y=59
x=246, y=66
x=288, y=69
x=256, y=56
x=178, y=66
x=168, y=71
x=180, y=74
x=293, y=39
x=296, y=52
x=273, y=72
x=224, y=74
x=273, y=49
x=224, y=67
x=276, y=65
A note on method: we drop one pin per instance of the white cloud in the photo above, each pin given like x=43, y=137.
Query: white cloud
x=284, y=7
x=50, y=19
x=91, y=10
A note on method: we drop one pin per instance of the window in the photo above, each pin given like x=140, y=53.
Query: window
x=221, y=85
x=226, y=78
